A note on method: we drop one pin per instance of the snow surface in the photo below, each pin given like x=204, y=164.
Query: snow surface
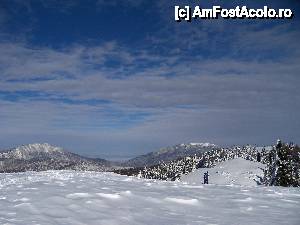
x=237, y=171
x=77, y=198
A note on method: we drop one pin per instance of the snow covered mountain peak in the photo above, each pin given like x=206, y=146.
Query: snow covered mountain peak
x=31, y=151
x=170, y=153
x=38, y=157
x=185, y=147
x=24, y=150
x=204, y=145
x=38, y=147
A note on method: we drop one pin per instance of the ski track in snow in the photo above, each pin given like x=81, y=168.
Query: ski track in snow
x=87, y=198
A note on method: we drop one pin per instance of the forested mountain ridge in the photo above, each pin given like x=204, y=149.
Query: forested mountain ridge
x=39, y=157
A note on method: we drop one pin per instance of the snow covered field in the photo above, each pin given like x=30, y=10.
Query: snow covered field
x=68, y=197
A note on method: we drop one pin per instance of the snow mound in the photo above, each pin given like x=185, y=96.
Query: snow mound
x=237, y=171
x=69, y=197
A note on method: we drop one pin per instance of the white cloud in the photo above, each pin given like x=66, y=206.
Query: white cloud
x=183, y=97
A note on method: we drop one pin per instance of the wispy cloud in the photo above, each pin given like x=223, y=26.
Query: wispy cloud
x=214, y=81
x=82, y=74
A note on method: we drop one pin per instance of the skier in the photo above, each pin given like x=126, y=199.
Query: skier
x=206, y=177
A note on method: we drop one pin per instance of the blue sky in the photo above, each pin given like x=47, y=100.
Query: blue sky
x=120, y=78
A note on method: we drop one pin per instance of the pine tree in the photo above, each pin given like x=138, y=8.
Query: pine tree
x=283, y=166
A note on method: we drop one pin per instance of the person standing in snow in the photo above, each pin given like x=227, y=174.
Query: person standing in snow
x=206, y=178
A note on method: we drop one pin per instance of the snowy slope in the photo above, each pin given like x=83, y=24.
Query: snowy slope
x=81, y=198
x=237, y=171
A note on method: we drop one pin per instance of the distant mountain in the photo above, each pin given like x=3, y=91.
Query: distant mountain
x=170, y=153
x=39, y=157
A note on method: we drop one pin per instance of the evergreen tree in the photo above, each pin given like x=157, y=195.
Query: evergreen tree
x=283, y=167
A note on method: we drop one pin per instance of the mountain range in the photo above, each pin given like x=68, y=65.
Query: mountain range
x=39, y=157
x=170, y=153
